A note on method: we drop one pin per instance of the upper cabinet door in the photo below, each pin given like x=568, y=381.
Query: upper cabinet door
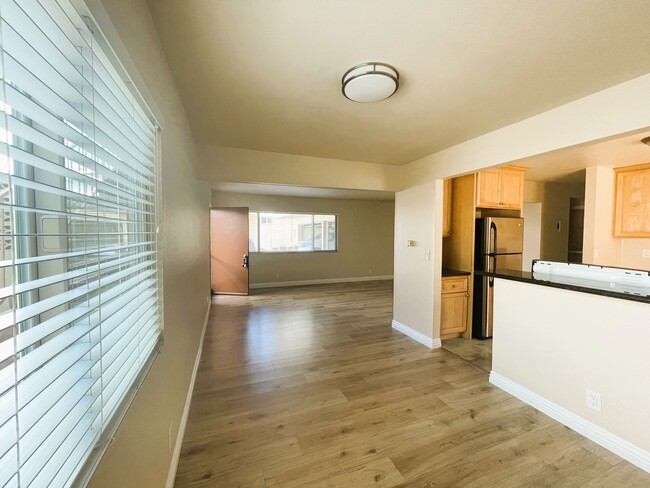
x=500, y=188
x=512, y=188
x=446, y=209
x=487, y=188
x=632, y=204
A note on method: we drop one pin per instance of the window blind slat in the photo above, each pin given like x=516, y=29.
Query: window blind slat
x=106, y=160
x=55, y=68
x=7, y=406
x=31, y=311
x=30, y=434
x=41, y=379
x=36, y=409
x=64, y=464
x=51, y=326
x=125, y=330
x=54, y=347
x=80, y=272
x=65, y=255
x=75, y=423
x=69, y=275
x=8, y=468
x=7, y=436
x=41, y=29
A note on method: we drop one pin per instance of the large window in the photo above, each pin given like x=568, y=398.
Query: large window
x=292, y=232
x=80, y=291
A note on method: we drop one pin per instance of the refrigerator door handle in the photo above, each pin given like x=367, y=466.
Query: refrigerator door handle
x=493, y=227
x=492, y=269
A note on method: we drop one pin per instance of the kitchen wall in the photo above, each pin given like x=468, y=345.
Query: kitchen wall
x=416, y=212
x=556, y=212
x=558, y=343
x=555, y=199
x=141, y=452
x=365, y=239
x=600, y=245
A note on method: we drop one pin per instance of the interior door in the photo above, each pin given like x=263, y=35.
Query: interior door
x=229, y=250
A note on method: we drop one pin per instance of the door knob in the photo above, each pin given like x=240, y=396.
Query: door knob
x=244, y=263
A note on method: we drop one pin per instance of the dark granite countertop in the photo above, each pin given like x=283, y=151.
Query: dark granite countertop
x=447, y=272
x=573, y=284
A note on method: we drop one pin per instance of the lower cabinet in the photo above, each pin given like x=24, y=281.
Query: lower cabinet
x=453, y=314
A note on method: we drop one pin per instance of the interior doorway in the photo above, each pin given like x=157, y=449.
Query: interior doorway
x=229, y=259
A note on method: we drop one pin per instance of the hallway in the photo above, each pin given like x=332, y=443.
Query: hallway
x=310, y=386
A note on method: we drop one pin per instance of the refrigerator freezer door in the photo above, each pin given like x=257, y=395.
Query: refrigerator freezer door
x=506, y=261
x=506, y=233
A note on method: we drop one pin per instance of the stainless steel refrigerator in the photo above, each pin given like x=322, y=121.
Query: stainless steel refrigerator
x=498, y=246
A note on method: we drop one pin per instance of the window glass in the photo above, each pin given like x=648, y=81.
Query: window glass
x=325, y=232
x=291, y=232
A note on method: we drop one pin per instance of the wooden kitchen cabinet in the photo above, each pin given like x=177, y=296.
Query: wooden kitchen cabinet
x=632, y=202
x=500, y=188
x=453, y=307
x=446, y=209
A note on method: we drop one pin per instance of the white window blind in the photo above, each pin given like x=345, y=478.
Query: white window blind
x=80, y=281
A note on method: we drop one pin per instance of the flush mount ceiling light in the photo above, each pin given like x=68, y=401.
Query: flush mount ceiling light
x=370, y=82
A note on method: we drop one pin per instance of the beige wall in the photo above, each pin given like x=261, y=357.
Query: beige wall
x=141, y=453
x=413, y=302
x=244, y=165
x=534, y=191
x=555, y=199
x=365, y=238
x=600, y=245
x=556, y=208
x=580, y=341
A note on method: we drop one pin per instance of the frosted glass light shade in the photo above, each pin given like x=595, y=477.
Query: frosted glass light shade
x=370, y=82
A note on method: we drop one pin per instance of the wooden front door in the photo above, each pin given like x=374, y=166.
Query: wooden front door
x=229, y=250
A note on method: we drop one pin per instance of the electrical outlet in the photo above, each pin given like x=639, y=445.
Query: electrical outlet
x=370, y=271
x=593, y=400
x=645, y=253
x=277, y=275
x=427, y=255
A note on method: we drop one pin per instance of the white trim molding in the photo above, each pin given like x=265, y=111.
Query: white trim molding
x=417, y=336
x=325, y=281
x=176, y=456
x=628, y=451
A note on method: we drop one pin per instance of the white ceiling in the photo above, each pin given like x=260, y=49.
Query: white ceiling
x=265, y=75
x=567, y=164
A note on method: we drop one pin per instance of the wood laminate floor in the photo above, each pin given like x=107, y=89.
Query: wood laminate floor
x=475, y=351
x=310, y=386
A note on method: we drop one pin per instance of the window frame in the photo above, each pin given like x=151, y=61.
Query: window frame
x=293, y=212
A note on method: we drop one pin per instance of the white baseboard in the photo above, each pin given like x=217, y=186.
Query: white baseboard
x=325, y=281
x=171, y=475
x=417, y=336
x=606, y=439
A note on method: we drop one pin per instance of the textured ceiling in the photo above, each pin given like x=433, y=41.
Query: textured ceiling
x=265, y=74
